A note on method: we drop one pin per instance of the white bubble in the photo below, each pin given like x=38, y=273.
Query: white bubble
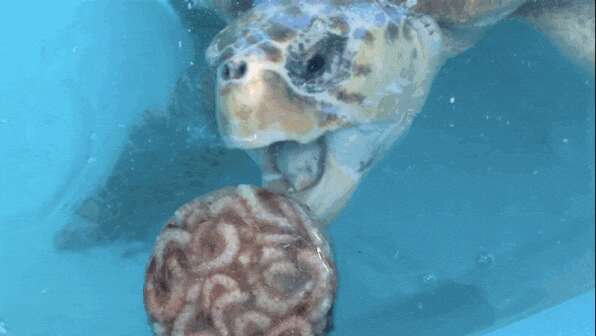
x=485, y=260
x=452, y=100
x=429, y=279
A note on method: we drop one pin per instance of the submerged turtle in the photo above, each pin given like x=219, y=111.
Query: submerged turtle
x=314, y=91
x=317, y=90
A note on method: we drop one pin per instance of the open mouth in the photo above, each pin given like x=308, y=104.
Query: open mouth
x=319, y=174
x=291, y=167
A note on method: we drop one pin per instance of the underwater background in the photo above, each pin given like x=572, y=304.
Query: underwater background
x=480, y=218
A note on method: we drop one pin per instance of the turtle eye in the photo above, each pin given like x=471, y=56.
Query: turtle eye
x=315, y=64
x=319, y=64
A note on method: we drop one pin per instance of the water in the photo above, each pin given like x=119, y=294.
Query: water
x=482, y=216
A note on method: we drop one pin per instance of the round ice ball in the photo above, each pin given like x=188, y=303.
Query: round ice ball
x=241, y=261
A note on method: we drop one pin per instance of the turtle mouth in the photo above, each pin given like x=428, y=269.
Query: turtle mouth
x=291, y=167
x=318, y=174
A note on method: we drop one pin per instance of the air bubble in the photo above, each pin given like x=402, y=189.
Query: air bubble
x=429, y=279
x=485, y=260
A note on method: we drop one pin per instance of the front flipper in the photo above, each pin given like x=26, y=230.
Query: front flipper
x=569, y=24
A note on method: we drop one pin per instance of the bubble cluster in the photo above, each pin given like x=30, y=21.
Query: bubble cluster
x=240, y=262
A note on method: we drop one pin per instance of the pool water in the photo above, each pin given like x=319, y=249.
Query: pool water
x=480, y=221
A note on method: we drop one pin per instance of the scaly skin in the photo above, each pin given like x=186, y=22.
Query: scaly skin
x=376, y=61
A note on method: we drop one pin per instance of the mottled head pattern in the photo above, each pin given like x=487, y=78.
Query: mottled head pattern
x=239, y=262
x=295, y=70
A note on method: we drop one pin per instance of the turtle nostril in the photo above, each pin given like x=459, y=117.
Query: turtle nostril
x=233, y=70
x=225, y=72
x=242, y=67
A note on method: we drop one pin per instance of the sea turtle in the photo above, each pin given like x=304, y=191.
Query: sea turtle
x=369, y=48
x=317, y=90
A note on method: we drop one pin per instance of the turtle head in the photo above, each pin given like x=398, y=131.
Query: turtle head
x=294, y=75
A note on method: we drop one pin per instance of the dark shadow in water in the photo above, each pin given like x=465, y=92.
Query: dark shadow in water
x=450, y=308
x=170, y=157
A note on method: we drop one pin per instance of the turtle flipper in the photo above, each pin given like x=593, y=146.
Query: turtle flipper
x=569, y=24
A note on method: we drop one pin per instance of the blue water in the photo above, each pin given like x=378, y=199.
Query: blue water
x=479, y=219
x=575, y=317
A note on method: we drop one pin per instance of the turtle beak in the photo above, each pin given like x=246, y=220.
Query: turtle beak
x=285, y=132
x=256, y=107
x=310, y=173
x=324, y=174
